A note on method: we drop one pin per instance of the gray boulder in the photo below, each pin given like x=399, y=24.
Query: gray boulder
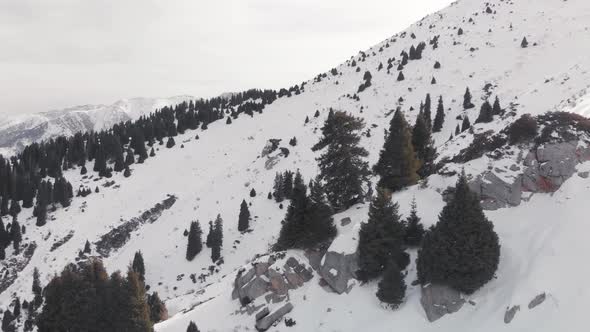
x=345, y=221
x=438, y=300
x=510, y=313
x=537, y=300
x=266, y=322
x=338, y=269
x=262, y=313
x=254, y=289
x=494, y=192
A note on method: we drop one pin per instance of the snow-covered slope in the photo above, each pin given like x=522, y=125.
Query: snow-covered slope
x=542, y=239
x=16, y=131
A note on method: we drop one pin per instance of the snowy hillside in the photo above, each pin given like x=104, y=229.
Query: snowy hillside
x=16, y=131
x=542, y=232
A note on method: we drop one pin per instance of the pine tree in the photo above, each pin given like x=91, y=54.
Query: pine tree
x=462, y=250
x=497, y=109
x=194, y=245
x=158, y=311
x=392, y=288
x=486, y=113
x=139, y=318
x=423, y=144
x=342, y=166
x=244, y=218
x=278, y=188
x=381, y=237
x=87, y=249
x=428, y=112
x=217, y=239
x=319, y=224
x=524, y=43
x=252, y=193
x=192, y=327
x=439, y=118
x=170, y=143
x=414, y=229
x=138, y=266
x=400, y=76
x=465, y=124
x=210, y=235
x=15, y=235
x=292, y=231
x=397, y=165
x=467, y=100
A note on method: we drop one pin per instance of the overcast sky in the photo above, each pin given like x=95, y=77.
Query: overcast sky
x=61, y=53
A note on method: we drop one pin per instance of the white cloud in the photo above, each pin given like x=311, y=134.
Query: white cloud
x=64, y=52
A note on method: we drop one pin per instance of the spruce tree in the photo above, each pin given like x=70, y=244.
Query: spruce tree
x=392, y=287
x=17, y=307
x=192, y=327
x=158, y=311
x=462, y=250
x=381, y=237
x=293, y=229
x=497, y=109
x=397, y=165
x=486, y=113
x=252, y=193
x=319, y=224
x=170, y=143
x=217, y=239
x=423, y=144
x=194, y=245
x=87, y=249
x=139, y=316
x=439, y=118
x=15, y=235
x=465, y=124
x=467, y=100
x=342, y=165
x=400, y=76
x=138, y=265
x=210, y=235
x=244, y=217
x=414, y=228
x=15, y=208
x=428, y=112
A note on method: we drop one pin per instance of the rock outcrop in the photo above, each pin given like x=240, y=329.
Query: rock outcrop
x=537, y=300
x=438, y=300
x=338, y=269
x=266, y=321
x=510, y=313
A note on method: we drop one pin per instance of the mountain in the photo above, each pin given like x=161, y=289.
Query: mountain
x=16, y=131
x=534, y=190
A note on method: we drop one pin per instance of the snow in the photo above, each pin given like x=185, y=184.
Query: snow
x=542, y=239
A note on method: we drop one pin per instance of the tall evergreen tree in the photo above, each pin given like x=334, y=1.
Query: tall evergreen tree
x=466, y=124
x=467, y=100
x=15, y=235
x=194, y=245
x=244, y=217
x=486, y=113
x=397, y=163
x=423, y=145
x=462, y=250
x=428, y=112
x=392, y=288
x=139, y=315
x=192, y=327
x=380, y=238
x=414, y=228
x=158, y=311
x=217, y=239
x=439, y=118
x=497, y=109
x=342, y=165
x=293, y=229
x=210, y=235
x=138, y=265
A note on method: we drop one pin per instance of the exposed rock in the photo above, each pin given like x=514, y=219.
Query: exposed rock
x=345, y=221
x=14, y=265
x=315, y=258
x=261, y=268
x=262, y=313
x=254, y=289
x=537, y=300
x=271, y=145
x=510, y=313
x=345, y=267
x=494, y=192
x=438, y=300
x=584, y=175
x=271, y=162
x=277, y=283
x=62, y=241
x=266, y=322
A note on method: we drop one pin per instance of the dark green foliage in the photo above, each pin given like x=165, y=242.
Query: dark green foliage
x=524, y=43
x=152, y=153
x=158, y=311
x=87, y=249
x=437, y=65
x=127, y=172
x=86, y=299
x=192, y=327
x=252, y=193
x=15, y=235
x=15, y=208
x=467, y=100
x=16, y=310
x=228, y=121
x=400, y=76
x=462, y=250
x=497, y=109
x=37, y=290
x=293, y=141
x=216, y=239
x=523, y=129
x=465, y=124
x=397, y=165
x=439, y=118
x=427, y=112
x=194, y=245
x=306, y=119
x=392, y=287
x=317, y=114
x=170, y=143
x=138, y=265
x=7, y=320
x=269, y=196
x=457, y=129
x=423, y=144
x=486, y=113
x=342, y=165
x=244, y=218
x=414, y=228
x=380, y=238
x=308, y=221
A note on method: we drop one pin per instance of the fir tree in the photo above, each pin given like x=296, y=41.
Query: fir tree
x=87, y=249
x=414, y=229
x=400, y=76
x=152, y=152
x=486, y=113
x=439, y=118
x=194, y=245
x=217, y=239
x=228, y=121
x=244, y=218
x=497, y=109
x=210, y=235
x=392, y=288
x=423, y=144
x=465, y=124
x=380, y=238
x=252, y=193
x=16, y=310
x=397, y=165
x=428, y=112
x=170, y=143
x=457, y=129
x=462, y=250
x=157, y=308
x=15, y=235
x=15, y=208
x=293, y=230
x=127, y=172
x=524, y=43
x=138, y=266
x=342, y=166
x=139, y=317
x=467, y=100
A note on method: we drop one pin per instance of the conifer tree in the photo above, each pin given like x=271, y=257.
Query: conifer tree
x=292, y=231
x=252, y=193
x=342, y=165
x=462, y=250
x=17, y=307
x=439, y=118
x=486, y=113
x=244, y=218
x=127, y=172
x=397, y=165
x=139, y=316
x=465, y=124
x=152, y=152
x=210, y=235
x=467, y=100
x=36, y=288
x=392, y=287
x=228, y=121
x=158, y=311
x=414, y=229
x=524, y=43
x=423, y=144
x=87, y=249
x=170, y=143
x=497, y=109
x=400, y=76
x=278, y=188
x=15, y=208
x=428, y=112
x=457, y=129
x=217, y=239
x=381, y=237
x=194, y=245
x=192, y=327
x=138, y=265
x=15, y=235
